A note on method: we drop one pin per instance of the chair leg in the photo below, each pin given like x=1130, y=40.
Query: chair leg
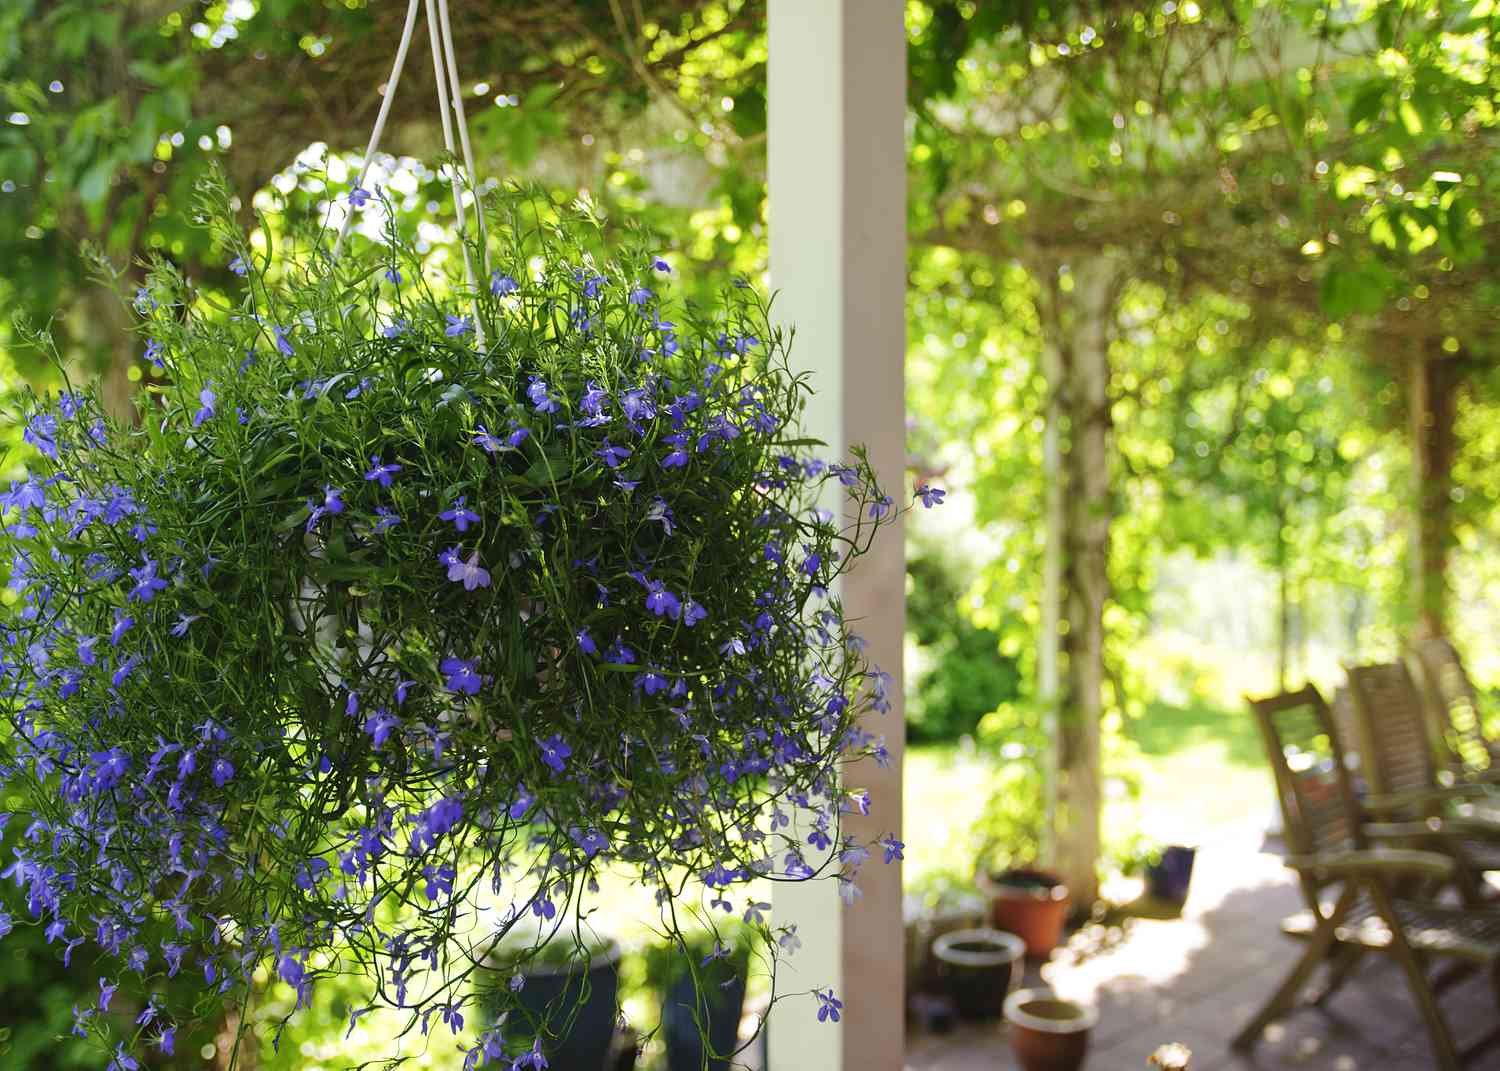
x=1285, y=996
x=1444, y=1051
x=1340, y=970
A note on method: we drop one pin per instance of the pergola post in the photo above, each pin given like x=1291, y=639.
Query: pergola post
x=837, y=164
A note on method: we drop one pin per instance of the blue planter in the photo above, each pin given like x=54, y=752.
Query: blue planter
x=1168, y=880
x=723, y=993
x=572, y=1008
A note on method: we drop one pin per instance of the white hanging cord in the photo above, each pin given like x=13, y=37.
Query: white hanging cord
x=463, y=134
x=434, y=33
x=385, y=110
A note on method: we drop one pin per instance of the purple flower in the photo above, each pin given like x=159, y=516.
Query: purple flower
x=380, y=472
x=483, y=438
x=533, y=1059
x=614, y=456
x=222, y=772
x=586, y=642
x=123, y=624
x=892, y=847
x=332, y=504
x=829, y=1006
x=395, y=329
x=541, y=400
x=460, y=515
x=593, y=402
x=661, y=265
x=555, y=752
x=640, y=295
x=462, y=677
x=239, y=266
x=470, y=573
x=678, y=457
x=106, y=993
x=291, y=970
x=380, y=725
x=930, y=496
x=522, y=803
x=385, y=519
x=459, y=325
x=652, y=682
x=501, y=285
x=662, y=602
x=880, y=507
x=147, y=583
x=359, y=197
x=167, y=1039
x=206, y=398
x=283, y=343
x=41, y=432
x=692, y=613
x=393, y=275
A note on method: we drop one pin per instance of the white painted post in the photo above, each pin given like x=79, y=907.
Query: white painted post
x=837, y=164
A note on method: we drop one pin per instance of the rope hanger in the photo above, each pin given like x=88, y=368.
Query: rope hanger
x=445, y=72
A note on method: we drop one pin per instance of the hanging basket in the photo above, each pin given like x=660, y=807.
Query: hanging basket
x=370, y=642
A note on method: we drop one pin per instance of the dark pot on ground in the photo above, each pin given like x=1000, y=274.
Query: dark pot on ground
x=1032, y=904
x=572, y=1007
x=716, y=1001
x=980, y=968
x=1048, y=1033
x=1168, y=879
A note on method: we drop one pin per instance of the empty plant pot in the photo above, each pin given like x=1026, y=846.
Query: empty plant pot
x=979, y=968
x=1032, y=904
x=1048, y=1032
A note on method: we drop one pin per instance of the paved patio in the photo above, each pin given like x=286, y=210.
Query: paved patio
x=1197, y=978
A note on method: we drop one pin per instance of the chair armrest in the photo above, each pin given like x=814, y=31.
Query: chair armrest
x=1376, y=862
x=1468, y=825
x=1400, y=801
x=1427, y=827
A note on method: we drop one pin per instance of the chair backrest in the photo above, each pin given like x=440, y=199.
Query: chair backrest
x=1452, y=703
x=1318, y=809
x=1395, y=751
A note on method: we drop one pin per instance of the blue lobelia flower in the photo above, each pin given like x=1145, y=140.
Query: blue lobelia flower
x=461, y=676
x=380, y=472
x=206, y=398
x=469, y=573
x=460, y=515
x=555, y=752
x=930, y=496
x=613, y=456
x=459, y=325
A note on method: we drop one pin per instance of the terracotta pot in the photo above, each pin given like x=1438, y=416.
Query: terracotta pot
x=980, y=968
x=1032, y=904
x=1048, y=1033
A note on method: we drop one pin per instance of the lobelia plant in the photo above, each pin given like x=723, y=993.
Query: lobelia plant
x=368, y=644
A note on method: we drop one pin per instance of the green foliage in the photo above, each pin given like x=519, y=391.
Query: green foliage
x=963, y=674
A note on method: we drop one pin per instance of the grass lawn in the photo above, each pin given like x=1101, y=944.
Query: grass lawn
x=1202, y=774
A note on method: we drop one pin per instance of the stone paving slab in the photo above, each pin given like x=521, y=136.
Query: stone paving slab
x=1196, y=979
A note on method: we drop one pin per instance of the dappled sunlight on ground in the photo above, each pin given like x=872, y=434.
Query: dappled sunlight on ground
x=1197, y=978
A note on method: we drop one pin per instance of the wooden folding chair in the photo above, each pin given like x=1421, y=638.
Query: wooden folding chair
x=1402, y=774
x=1456, y=722
x=1360, y=898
